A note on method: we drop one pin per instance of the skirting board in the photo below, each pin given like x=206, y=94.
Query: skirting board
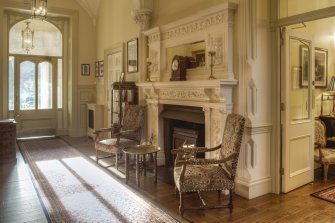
x=254, y=188
x=62, y=132
x=78, y=132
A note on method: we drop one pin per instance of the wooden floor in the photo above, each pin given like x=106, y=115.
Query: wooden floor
x=19, y=202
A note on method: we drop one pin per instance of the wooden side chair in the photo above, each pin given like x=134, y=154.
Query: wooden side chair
x=322, y=155
x=198, y=175
x=127, y=134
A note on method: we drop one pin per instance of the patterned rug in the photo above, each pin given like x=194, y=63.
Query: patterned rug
x=75, y=189
x=326, y=194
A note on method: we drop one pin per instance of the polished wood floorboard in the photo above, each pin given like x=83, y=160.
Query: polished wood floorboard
x=19, y=202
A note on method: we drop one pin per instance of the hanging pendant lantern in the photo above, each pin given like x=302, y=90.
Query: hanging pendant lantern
x=39, y=9
x=27, y=38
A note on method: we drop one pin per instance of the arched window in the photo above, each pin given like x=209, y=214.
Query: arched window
x=36, y=75
x=47, y=38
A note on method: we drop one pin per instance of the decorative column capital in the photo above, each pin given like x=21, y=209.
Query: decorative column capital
x=142, y=18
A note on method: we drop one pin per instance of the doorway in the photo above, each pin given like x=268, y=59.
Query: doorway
x=114, y=68
x=297, y=116
x=307, y=66
x=35, y=95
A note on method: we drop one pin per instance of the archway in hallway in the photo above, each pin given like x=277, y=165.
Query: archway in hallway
x=35, y=78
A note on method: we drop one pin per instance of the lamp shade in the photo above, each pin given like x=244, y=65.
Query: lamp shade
x=39, y=9
x=331, y=85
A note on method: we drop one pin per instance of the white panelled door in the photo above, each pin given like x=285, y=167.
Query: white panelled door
x=297, y=118
x=35, y=100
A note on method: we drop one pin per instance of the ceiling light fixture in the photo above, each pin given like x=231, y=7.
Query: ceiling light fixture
x=39, y=9
x=27, y=38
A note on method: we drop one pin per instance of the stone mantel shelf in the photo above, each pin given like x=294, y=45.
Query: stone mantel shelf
x=216, y=83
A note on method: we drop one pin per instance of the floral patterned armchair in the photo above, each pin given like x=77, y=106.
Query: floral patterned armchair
x=127, y=134
x=322, y=155
x=199, y=175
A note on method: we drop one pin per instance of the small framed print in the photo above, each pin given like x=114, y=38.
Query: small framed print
x=97, y=69
x=132, y=56
x=321, y=67
x=85, y=70
x=101, y=68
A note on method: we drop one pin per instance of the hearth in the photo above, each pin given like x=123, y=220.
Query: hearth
x=183, y=126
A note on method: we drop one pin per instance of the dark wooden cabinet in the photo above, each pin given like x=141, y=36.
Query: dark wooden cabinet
x=329, y=121
x=123, y=94
x=7, y=141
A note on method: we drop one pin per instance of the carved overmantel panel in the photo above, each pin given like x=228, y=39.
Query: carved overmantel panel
x=214, y=26
x=213, y=96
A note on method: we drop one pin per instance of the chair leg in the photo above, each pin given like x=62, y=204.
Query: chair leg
x=230, y=205
x=96, y=156
x=181, y=205
x=325, y=171
x=219, y=194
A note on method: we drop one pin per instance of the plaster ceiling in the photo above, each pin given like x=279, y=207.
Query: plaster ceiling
x=91, y=7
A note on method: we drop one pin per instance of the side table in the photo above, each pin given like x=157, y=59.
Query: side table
x=140, y=151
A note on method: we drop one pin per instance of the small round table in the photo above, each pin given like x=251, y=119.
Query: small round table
x=138, y=151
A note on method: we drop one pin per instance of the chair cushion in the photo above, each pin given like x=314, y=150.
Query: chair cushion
x=328, y=155
x=202, y=178
x=110, y=145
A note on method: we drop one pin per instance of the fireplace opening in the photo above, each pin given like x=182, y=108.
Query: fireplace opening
x=183, y=126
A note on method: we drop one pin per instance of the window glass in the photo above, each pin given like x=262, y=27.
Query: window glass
x=60, y=84
x=27, y=85
x=44, y=85
x=47, y=39
x=11, y=83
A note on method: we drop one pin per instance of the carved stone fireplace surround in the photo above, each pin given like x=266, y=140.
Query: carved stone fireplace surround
x=213, y=96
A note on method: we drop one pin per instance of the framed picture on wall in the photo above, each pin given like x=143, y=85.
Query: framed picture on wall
x=96, y=69
x=304, y=64
x=132, y=56
x=101, y=68
x=321, y=67
x=85, y=70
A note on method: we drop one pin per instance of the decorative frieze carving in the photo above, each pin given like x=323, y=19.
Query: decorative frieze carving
x=195, y=26
x=189, y=94
x=156, y=37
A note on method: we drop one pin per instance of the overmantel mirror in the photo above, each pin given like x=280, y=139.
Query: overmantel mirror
x=195, y=51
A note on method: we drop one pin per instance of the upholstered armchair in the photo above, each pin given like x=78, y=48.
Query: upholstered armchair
x=124, y=135
x=322, y=155
x=198, y=175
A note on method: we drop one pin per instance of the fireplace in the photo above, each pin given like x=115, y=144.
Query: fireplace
x=182, y=126
x=203, y=103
